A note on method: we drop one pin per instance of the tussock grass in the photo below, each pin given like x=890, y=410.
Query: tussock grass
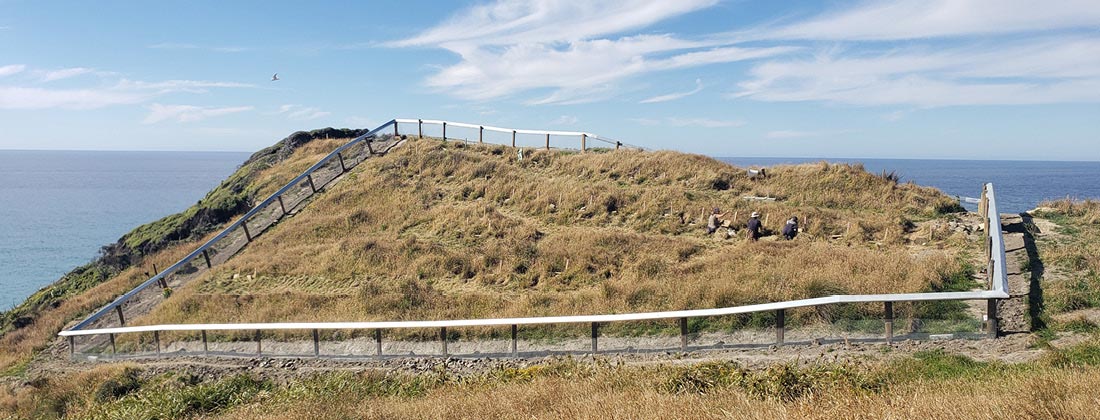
x=1072, y=255
x=933, y=384
x=443, y=230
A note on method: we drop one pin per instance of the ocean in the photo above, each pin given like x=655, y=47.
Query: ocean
x=60, y=207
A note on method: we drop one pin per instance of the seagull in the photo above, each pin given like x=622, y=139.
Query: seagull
x=275, y=77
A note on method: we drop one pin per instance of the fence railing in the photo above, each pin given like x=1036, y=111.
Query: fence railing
x=997, y=289
x=543, y=138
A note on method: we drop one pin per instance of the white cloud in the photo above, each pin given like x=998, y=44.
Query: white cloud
x=1052, y=70
x=511, y=22
x=564, y=120
x=50, y=76
x=509, y=48
x=36, y=98
x=301, y=113
x=188, y=113
x=689, y=122
x=919, y=19
x=675, y=96
x=11, y=69
x=193, y=86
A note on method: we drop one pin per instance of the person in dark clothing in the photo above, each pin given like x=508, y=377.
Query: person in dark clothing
x=754, y=226
x=714, y=221
x=790, y=230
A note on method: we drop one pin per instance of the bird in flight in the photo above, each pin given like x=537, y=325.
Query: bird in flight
x=275, y=77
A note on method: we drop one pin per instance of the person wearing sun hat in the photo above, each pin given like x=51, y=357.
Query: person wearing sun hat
x=754, y=226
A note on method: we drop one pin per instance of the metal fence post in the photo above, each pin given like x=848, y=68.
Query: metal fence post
x=72, y=346
x=780, y=325
x=259, y=346
x=156, y=338
x=378, y=342
x=343, y=168
x=206, y=257
x=281, y=205
x=547, y=141
x=420, y=128
x=247, y=234
x=444, y=131
x=312, y=186
x=114, y=349
x=683, y=334
x=513, y=139
x=480, y=135
x=889, y=317
x=316, y=344
x=595, y=335
x=515, y=352
x=121, y=317
x=584, y=139
x=991, y=318
x=443, y=339
x=205, y=347
x=395, y=133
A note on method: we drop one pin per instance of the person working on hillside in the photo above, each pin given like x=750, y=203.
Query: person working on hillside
x=714, y=221
x=790, y=230
x=754, y=226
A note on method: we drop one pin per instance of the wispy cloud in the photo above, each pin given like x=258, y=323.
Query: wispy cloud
x=675, y=96
x=188, y=46
x=302, y=113
x=509, y=48
x=564, y=120
x=193, y=86
x=188, y=113
x=1040, y=72
x=37, y=98
x=921, y=19
x=11, y=69
x=49, y=76
x=689, y=122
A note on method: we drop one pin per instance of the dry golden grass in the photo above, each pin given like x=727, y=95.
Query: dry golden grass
x=1071, y=264
x=439, y=230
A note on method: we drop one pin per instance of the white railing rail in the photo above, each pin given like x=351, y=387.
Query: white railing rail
x=581, y=135
x=998, y=289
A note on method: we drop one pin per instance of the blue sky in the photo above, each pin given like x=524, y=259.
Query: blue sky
x=960, y=79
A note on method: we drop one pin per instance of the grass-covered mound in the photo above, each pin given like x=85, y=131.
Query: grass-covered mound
x=130, y=261
x=440, y=230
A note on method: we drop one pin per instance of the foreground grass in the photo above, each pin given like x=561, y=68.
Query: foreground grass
x=1071, y=265
x=925, y=385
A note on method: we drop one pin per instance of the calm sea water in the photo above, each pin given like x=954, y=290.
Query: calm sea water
x=57, y=208
x=1020, y=185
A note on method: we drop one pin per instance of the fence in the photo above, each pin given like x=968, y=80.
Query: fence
x=332, y=166
x=506, y=136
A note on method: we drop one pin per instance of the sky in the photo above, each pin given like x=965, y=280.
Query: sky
x=941, y=79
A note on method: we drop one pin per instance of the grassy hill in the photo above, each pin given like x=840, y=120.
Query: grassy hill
x=447, y=230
